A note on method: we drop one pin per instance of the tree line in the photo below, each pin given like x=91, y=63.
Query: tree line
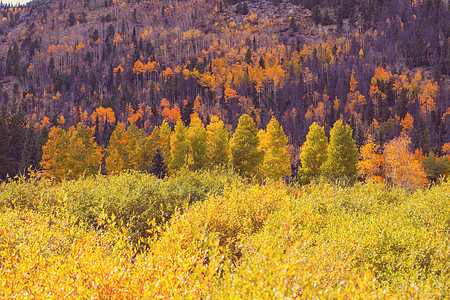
x=253, y=153
x=263, y=153
x=387, y=61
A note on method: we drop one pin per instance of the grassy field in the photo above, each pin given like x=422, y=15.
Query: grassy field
x=213, y=235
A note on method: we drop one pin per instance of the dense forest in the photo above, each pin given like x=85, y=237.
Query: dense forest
x=376, y=65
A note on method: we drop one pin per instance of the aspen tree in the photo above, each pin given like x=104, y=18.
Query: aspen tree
x=342, y=154
x=370, y=166
x=117, y=159
x=71, y=154
x=84, y=156
x=54, y=154
x=314, y=153
x=245, y=156
x=401, y=169
x=196, y=138
x=178, y=148
x=276, y=158
x=165, y=133
x=217, y=143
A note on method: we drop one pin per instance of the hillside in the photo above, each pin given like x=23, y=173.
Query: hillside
x=225, y=149
x=370, y=64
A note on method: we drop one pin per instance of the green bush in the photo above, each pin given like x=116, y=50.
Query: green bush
x=133, y=199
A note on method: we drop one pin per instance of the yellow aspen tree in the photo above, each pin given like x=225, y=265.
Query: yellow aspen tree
x=135, y=149
x=84, y=156
x=127, y=150
x=67, y=155
x=54, y=155
x=217, y=146
x=427, y=98
x=276, y=163
x=342, y=154
x=117, y=159
x=196, y=138
x=165, y=134
x=245, y=156
x=178, y=148
x=401, y=169
x=314, y=154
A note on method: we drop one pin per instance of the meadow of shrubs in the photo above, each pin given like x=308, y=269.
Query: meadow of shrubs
x=212, y=234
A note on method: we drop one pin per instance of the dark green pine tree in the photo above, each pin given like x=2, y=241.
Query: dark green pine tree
x=97, y=137
x=106, y=134
x=249, y=57
x=31, y=150
x=436, y=167
x=158, y=167
x=42, y=140
x=71, y=19
x=421, y=137
x=6, y=162
x=12, y=60
x=17, y=127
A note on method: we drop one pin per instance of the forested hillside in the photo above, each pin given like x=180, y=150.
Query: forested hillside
x=225, y=149
x=381, y=67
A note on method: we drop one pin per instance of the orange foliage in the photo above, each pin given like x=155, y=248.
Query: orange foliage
x=174, y=115
x=103, y=116
x=45, y=122
x=353, y=82
x=138, y=67
x=118, y=40
x=370, y=165
x=229, y=92
x=136, y=116
x=402, y=168
x=446, y=148
x=165, y=103
x=407, y=124
x=427, y=98
x=381, y=74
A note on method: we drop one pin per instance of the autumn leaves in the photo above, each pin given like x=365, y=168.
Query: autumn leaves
x=69, y=154
x=263, y=154
x=336, y=160
x=394, y=163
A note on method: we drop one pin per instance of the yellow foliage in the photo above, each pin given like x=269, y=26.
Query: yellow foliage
x=253, y=17
x=71, y=154
x=402, y=168
x=247, y=242
x=427, y=98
